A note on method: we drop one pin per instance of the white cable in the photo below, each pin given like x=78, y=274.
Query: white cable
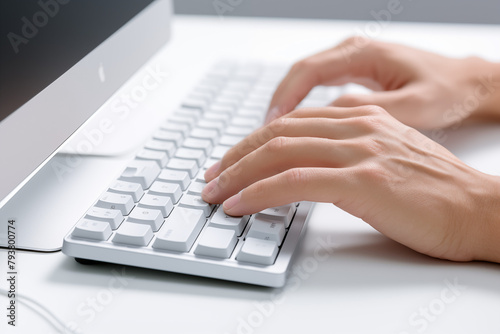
x=43, y=311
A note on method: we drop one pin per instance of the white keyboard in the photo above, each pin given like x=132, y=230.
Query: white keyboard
x=153, y=216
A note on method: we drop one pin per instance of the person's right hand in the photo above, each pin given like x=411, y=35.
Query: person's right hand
x=421, y=89
x=367, y=163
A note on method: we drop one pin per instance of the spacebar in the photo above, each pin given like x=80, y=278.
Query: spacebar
x=180, y=230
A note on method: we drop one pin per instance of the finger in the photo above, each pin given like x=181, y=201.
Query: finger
x=293, y=185
x=386, y=99
x=281, y=154
x=313, y=122
x=401, y=103
x=330, y=112
x=329, y=66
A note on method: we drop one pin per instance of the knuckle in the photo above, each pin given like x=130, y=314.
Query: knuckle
x=351, y=40
x=295, y=177
x=378, y=47
x=276, y=144
x=371, y=173
x=276, y=127
x=370, y=123
x=375, y=110
x=355, y=40
x=374, y=120
x=373, y=146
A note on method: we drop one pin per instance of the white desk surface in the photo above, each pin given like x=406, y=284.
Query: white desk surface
x=368, y=283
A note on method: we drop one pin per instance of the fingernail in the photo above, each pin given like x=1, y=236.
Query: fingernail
x=271, y=114
x=210, y=190
x=232, y=203
x=212, y=171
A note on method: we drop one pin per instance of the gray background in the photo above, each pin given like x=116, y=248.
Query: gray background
x=461, y=11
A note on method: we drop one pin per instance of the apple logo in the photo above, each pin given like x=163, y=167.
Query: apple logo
x=102, y=75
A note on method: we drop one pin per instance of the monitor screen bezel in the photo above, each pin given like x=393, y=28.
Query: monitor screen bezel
x=31, y=135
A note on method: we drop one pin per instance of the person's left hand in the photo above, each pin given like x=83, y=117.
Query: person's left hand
x=369, y=164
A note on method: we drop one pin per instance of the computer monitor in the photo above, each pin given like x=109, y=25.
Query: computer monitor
x=60, y=61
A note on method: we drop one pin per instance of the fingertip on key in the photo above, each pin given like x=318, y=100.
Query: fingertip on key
x=232, y=206
x=210, y=191
x=211, y=172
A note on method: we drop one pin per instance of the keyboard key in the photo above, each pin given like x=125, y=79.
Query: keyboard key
x=195, y=103
x=262, y=95
x=176, y=127
x=200, y=177
x=133, y=234
x=161, y=158
x=219, y=152
x=213, y=116
x=216, y=242
x=237, y=86
x=282, y=213
x=238, y=130
x=174, y=137
x=196, y=188
x=113, y=217
x=180, y=230
x=211, y=135
x=196, y=113
x=223, y=106
x=151, y=217
x=175, y=176
x=189, y=166
x=92, y=229
x=209, y=163
x=142, y=172
x=258, y=251
x=247, y=74
x=127, y=188
x=172, y=190
x=253, y=104
x=162, y=203
x=196, y=202
x=113, y=201
x=187, y=120
x=211, y=125
x=199, y=144
x=232, y=96
x=253, y=113
x=230, y=141
x=221, y=220
x=267, y=230
x=191, y=154
x=162, y=146
x=245, y=121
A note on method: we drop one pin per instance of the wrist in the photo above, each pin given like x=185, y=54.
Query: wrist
x=485, y=85
x=486, y=227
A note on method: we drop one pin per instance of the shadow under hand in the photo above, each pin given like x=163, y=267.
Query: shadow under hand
x=370, y=260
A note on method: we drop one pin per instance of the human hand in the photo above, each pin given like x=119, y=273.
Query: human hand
x=369, y=164
x=421, y=89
